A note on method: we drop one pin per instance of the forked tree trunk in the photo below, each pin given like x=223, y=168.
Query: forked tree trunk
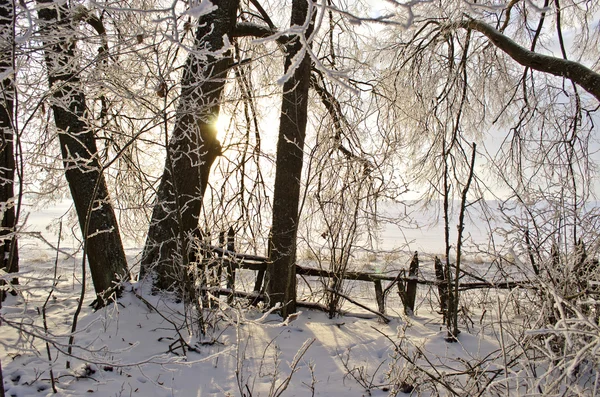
x=8, y=249
x=192, y=149
x=105, y=252
x=281, y=274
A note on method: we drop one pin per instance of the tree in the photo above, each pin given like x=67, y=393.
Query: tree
x=192, y=149
x=9, y=251
x=83, y=170
x=455, y=76
x=281, y=269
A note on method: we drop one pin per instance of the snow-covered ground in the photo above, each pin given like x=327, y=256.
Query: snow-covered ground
x=134, y=348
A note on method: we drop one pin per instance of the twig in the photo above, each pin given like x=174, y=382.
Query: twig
x=54, y=283
x=294, y=367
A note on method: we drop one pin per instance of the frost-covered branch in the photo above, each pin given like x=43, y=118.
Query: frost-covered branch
x=588, y=79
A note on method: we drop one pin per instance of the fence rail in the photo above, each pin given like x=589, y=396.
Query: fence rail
x=230, y=260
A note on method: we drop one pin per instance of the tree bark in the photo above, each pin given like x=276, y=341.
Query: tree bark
x=2, y=394
x=281, y=274
x=83, y=171
x=192, y=149
x=583, y=76
x=8, y=250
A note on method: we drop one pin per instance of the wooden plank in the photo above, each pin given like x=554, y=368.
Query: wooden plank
x=238, y=262
x=360, y=276
x=237, y=255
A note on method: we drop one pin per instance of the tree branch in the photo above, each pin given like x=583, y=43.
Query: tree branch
x=334, y=108
x=245, y=29
x=248, y=29
x=583, y=76
x=81, y=13
x=264, y=14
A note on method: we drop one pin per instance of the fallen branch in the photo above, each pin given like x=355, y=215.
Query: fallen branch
x=382, y=316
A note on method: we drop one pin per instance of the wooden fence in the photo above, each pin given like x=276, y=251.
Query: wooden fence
x=229, y=261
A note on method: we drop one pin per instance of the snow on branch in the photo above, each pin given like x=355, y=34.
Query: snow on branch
x=200, y=9
x=588, y=79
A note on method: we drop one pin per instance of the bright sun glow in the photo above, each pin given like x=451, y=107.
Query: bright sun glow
x=222, y=123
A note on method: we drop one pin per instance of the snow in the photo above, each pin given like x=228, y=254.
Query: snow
x=200, y=9
x=124, y=348
x=132, y=348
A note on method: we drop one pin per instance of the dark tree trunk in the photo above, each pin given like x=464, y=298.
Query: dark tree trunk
x=1, y=382
x=8, y=250
x=96, y=215
x=192, y=149
x=281, y=275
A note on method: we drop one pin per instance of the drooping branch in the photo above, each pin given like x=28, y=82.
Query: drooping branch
x=81, y=13
x=263, y=13
x=575, y=71
x=334, y=108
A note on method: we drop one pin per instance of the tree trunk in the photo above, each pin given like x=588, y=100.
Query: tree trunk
x=80, y=155
x=2, y=394
x=281, y=275
x=192, y=149
x=8, y=250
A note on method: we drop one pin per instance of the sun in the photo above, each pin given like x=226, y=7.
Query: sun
x=222, y=124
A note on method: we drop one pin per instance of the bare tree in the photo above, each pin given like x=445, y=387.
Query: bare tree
x=452, y=77
x=83, y=170
x=9, y=252
x=281, y=269
x=192, y=148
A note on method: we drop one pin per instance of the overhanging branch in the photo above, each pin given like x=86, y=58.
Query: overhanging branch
x=575, y=71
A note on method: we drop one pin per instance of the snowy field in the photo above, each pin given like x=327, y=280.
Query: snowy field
x=134, y=348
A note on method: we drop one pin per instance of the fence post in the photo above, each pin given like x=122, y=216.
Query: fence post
x=231, y=270
x=379, y=296
x=197, y=255
x=442, y=285
x=411, y=285
x=222, y=257
x=260, y=276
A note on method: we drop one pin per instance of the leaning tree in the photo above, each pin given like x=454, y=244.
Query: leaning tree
x=83, y=170
x=192, y=149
